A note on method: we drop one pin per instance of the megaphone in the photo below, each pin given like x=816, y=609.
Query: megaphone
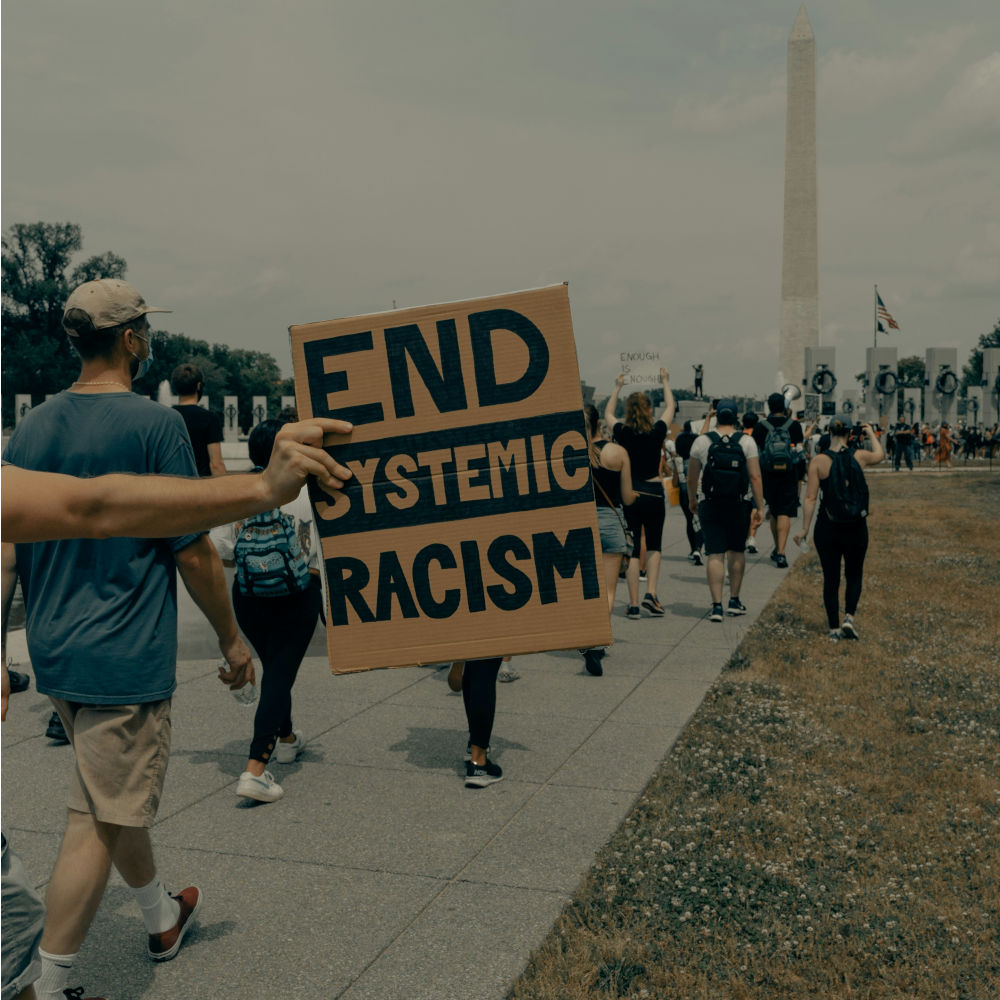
x=791, y=392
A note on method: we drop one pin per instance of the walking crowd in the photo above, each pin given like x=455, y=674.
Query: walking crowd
x=98, y=559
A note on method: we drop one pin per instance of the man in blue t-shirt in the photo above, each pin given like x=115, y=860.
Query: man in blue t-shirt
x=101, y=622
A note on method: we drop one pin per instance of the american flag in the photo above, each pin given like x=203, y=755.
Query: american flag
x=884, y=313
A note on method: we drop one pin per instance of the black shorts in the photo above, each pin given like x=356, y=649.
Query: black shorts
x=781, y=495
x=724, y=526
x=645, y=517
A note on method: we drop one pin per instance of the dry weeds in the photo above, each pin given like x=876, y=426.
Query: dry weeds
x=828, y=825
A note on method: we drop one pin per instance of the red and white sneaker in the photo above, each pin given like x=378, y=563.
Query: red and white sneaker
x=164, y=946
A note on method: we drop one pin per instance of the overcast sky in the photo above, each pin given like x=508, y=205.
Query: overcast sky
x=260, y=164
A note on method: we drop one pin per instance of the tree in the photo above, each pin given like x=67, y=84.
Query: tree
x=37, y=358
x=972, y=371
x=911, y=372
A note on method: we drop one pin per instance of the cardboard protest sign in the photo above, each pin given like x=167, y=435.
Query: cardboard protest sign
x=469, y=528
x=641, y=369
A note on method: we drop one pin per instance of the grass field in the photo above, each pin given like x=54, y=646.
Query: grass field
x=828, y=824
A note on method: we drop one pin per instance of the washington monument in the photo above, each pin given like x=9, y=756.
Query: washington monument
x=799, y=251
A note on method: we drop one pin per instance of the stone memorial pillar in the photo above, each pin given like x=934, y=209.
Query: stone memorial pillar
x=911, y=406
x=881, y=381
x=974, y=406
x=850, y=405
x=821, y=378
x=22, y=404
x=203, y=402
x=941, y=381
x=287, y=402
x=258, y=411
x=991, y=386
x=230, y=419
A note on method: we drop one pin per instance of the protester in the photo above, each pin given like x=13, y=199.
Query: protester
x=903, y=450
x=204, y=428
x=841, y=533
x=643, y=438
x=277, y=613
x=101, y=624
x=750, y=421
x=682, y=446
x=943, y=456
x=724, y=489
x=37, y=505
x=477, y=680
x=612, y=473
x=699, y=372
x=776, y=437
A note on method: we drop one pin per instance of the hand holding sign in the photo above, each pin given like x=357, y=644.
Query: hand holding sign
x=298, y=453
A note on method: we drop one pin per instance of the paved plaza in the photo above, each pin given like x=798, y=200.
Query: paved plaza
x=379, y=875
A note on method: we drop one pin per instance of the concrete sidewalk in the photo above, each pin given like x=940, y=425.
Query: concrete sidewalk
x=379, y=875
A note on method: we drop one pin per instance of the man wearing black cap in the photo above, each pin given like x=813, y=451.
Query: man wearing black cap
x=781, y=475
x=101, y=623
x=723, y=479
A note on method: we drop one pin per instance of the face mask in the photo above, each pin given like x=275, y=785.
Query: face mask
x=141, y=365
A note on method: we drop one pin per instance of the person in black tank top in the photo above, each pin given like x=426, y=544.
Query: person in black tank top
x=836, y=542
x=610, y=466
x=643, y=438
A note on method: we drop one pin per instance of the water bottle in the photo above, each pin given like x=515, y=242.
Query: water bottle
x=246, y=695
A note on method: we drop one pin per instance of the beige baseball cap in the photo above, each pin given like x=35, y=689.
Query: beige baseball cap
x=107, y=302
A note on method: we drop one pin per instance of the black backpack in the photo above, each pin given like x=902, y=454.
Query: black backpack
x=777, y=455
x=845, y=492
x=725, y=476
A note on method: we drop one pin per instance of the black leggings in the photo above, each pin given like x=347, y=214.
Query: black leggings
x=279, y=629
x=479, y=692
x=646, y=516
x=695, y=539
x=833, y=543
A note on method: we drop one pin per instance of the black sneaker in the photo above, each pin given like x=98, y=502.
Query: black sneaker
x=695, y=558
x=780, y=561
x=633, y=613
x=56, y=730
x=481, y=775
x=716, y=615
x=592, y=661
x=735, y=607
x=652, y=604
x=847, y=629
x=752, y=546
x=18, y=681
x=642, y=574
x=773, y=556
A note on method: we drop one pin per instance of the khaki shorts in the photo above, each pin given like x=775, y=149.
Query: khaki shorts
x=121, y=759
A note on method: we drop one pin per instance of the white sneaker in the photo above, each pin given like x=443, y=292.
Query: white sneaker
x=847, y=629
x=263, y=788
x=287, y=753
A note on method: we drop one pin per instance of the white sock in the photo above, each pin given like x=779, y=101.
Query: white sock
x=55, y=973
x=159, y=911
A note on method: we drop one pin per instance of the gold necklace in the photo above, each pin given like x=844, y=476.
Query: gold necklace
x=121, y=385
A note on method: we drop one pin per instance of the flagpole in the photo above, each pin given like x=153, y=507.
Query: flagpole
x=875, y=316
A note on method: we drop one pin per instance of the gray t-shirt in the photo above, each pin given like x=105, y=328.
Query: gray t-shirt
x=101, y=615
x=699, y=450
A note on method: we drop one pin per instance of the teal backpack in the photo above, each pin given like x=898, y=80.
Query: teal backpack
x=269, y=560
